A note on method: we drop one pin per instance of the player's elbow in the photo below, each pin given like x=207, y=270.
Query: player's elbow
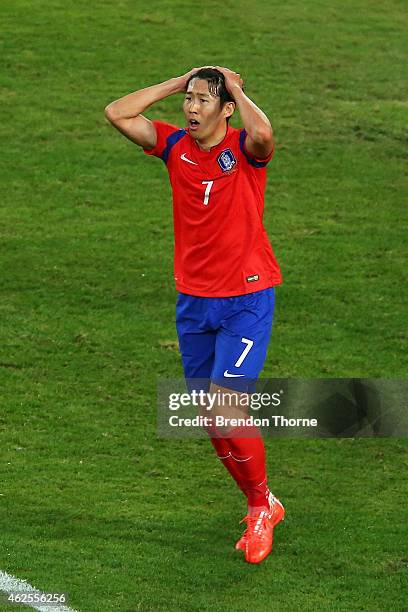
x=110, y=113
x=264, y=136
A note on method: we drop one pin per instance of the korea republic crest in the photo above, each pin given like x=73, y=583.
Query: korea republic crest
x=226, y=160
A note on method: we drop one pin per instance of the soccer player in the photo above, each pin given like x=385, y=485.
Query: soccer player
x=225, y=269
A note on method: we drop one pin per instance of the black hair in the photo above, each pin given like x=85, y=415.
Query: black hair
x=216, y=84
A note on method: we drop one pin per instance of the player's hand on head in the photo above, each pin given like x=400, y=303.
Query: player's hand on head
x=185, y=77
x=232, y=79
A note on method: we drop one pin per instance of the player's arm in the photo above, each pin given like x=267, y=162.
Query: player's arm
x=126, y=116
x=259, y=140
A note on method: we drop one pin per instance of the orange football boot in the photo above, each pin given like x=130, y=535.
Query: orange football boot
x=257, y=539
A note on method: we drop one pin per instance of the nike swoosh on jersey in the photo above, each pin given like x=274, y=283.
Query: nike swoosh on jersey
x=184, y=158
x=229, y=375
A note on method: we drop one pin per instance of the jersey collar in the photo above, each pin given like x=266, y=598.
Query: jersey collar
x=215, y=148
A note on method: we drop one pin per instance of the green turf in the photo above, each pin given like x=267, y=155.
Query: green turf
x=91, y=502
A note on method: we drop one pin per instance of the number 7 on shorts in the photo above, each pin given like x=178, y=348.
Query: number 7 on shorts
x=249, y=345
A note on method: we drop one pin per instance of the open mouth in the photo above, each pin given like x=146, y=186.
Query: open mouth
x=193, y=124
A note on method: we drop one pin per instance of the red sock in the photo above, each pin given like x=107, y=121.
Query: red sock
x=222, y=449
x=250, y=465
x=244, y=458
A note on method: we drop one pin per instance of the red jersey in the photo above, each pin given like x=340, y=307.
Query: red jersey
x=221, y=246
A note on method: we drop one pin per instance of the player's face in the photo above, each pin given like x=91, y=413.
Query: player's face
x=202, y=110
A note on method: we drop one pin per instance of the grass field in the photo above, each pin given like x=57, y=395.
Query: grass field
x=91, y=502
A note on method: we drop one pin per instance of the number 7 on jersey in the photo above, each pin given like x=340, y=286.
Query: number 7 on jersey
x=207, y=191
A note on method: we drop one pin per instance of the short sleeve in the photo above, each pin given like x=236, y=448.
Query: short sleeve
x=163, y=131
x=257, y=162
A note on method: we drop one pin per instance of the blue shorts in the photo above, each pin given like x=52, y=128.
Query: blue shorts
x=224, y=340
